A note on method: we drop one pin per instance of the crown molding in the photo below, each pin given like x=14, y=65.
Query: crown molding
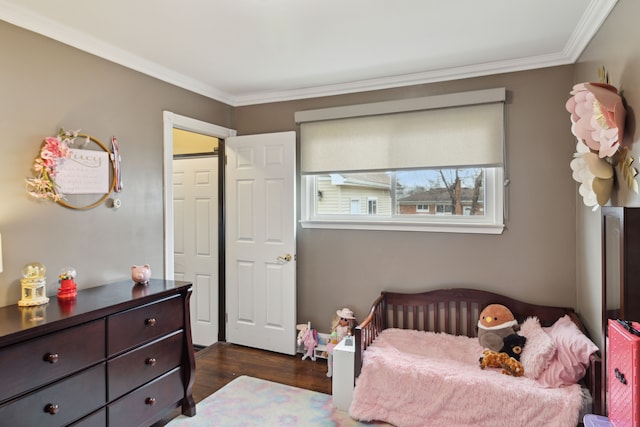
x=596, y=13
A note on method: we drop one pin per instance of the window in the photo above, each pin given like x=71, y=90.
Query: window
x=435, y=164
x=372, y=205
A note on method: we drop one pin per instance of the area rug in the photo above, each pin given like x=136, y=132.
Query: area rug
x=248, y=401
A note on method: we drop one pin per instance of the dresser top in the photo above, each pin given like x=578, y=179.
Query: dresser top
x=19, y=323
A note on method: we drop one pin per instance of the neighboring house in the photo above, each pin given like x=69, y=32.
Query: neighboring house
x=437, y=201
x=341, y=194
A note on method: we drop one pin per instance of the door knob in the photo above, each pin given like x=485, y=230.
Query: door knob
x=285, y=258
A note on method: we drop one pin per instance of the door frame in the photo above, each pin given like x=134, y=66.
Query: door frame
x=175, y=121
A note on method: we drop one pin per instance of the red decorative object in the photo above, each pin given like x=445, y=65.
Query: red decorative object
x=67, y=289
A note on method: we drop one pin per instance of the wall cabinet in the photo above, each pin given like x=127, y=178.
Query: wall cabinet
x=117, y=355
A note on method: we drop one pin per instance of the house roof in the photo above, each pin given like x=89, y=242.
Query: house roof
x=375, y=180
x=254, y=51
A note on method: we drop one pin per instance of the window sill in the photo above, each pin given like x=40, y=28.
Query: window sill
x=405, y=226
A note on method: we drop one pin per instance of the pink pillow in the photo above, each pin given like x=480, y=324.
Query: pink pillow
x=538, y=350
x=572, y=356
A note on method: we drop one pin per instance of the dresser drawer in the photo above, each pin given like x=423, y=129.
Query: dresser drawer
x=97, y=419
x=60, y=403
x=139, y=325
x=133, y=369
x=148, y=404
x=39, y=361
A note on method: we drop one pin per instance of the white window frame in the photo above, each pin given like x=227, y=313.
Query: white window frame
x=489, y=223
x=365, y=134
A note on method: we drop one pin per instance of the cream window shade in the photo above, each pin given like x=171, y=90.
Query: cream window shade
x=463, y=130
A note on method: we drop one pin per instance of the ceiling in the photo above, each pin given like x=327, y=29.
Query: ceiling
x=244, y=52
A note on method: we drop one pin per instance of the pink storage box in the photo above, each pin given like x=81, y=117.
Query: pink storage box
x=623, y=366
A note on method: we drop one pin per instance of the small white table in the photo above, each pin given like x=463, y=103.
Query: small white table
x=343, y=373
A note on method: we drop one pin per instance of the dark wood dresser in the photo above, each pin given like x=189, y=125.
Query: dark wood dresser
x=116, y=355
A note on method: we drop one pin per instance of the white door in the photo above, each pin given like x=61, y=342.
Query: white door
x=260, y=241
x=195, y=208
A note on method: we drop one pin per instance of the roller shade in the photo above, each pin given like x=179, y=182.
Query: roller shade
x=438, y=135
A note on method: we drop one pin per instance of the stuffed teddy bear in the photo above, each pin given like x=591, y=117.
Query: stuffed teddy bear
x=513, y=345
x=509, y=365
x=496, y=322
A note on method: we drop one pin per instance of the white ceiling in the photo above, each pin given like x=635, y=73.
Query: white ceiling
x=245, y=52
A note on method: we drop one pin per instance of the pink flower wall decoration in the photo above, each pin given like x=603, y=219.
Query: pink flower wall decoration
x=597, y=117
x=54, y=151
x=597, y=121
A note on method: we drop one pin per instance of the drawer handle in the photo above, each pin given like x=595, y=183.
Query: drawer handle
x=51, y=408
x=150, y=401
x=150, y=321
x=151, y=361
x=51, y=357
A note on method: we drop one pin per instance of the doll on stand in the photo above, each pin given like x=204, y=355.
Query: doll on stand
x=342, y=326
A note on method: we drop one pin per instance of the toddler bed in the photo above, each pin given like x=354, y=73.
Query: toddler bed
x=417, y=363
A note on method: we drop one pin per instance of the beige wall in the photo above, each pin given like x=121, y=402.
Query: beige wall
x=533, y=260
x=616, y=47
x=45, y=85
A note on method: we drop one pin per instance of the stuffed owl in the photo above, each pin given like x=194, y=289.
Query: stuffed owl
x=495, y=323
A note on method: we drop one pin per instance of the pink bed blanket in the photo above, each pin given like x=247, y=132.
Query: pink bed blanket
x=413, y=378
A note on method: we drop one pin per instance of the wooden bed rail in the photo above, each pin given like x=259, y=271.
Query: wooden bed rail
x=456, y=311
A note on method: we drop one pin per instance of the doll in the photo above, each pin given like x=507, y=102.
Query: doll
x=342, y=326
x=308, y=340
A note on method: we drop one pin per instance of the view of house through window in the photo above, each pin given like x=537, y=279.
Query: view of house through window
x=454, y=192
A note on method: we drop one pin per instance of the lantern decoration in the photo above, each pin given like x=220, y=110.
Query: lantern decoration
x=34, y=285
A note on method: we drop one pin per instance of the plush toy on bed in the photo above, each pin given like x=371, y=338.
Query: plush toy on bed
x=513, y=345
x=495, y=323
x=509, y=365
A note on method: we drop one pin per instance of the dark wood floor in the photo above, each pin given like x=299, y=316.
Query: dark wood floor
x=222, y=362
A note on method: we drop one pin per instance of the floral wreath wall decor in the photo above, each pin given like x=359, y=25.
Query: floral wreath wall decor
x=69, y=146
x=597, y=121
x=54, y=151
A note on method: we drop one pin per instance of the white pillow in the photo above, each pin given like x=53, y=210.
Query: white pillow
x=539, y=349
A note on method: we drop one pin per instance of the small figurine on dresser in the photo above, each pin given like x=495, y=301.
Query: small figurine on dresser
x=140, y=274
x=342, y=326
x=67, y=280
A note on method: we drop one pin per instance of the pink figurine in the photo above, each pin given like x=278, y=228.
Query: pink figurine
x=309, y=338
x=141, y=273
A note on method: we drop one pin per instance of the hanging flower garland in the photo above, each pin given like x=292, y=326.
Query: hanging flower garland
x=54, y=151
x=597, y=120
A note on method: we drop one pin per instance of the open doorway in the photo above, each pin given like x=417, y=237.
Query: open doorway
x=194, y=244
